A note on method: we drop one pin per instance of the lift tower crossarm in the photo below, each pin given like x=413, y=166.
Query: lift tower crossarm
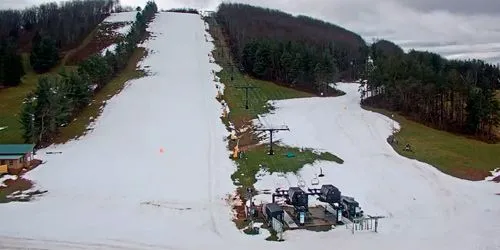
x=271, y=131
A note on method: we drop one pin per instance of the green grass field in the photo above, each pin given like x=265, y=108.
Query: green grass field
x=257, y=98
x=248, y=166
x=11, y=100
x=452, y=154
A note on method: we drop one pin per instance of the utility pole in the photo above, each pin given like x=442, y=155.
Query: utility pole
x=32, y=127
x=271, y=130
x=246, y=93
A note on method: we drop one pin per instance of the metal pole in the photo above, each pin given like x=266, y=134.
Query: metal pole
x=246, y=98
x=271, y=152
x=32, y=128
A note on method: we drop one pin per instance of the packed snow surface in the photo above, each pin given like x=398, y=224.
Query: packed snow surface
x=119, y=17
x=124, y=30
x=154, y=172
x=425, y=208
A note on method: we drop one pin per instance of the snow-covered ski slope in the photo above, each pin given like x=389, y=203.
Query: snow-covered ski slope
x=114, y=189
x=425, y=208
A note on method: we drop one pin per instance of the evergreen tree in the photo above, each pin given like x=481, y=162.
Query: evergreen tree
x=27, y=118
x=44, y=55
x=97, y=69
x=79, y=89
x=11, y=66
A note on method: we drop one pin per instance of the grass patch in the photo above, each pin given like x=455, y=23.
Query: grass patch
x=79, y=126
x=257, y=98
x=452, y=154
x=11, y=100
x=257, y=158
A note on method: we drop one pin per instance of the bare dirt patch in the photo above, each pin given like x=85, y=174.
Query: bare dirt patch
x=19, y=188
x=103, y=38
x=496, y=179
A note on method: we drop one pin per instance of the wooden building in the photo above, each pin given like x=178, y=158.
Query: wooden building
x=16, y=157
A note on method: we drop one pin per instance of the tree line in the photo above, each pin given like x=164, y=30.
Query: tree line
x=184, y=10
x=59, y=98
x=305, y=40
x=67, y=23
x=452, y=95
x=293, y=63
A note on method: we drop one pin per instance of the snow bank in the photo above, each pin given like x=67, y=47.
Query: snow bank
x=111, y=48
x=6, y=177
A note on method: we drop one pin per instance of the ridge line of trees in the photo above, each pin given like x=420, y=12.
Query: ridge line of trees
x=67, y=22
x=298, y=51
x=59, y=98
x=184, y=10
x=452, y=95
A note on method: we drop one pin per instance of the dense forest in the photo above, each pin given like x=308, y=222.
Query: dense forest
x=44, y=31
x=66, y=23
x=58, y=98
x=301, y=51
x=452, y=95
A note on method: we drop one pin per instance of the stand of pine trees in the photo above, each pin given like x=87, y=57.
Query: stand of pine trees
x=293, y=63
x=59, y=98
x=11, y=66
x=452, y=95
x=299, y=51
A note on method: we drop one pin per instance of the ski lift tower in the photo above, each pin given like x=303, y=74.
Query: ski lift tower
x=247, y=87
x=271, y=130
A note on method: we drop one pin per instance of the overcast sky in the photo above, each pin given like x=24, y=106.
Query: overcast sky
x=411, y=23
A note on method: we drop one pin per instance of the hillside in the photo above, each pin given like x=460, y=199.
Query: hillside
x=67, y=23
x=45, y=34
x=385, y=48
x=92, y=72
x=297, y=51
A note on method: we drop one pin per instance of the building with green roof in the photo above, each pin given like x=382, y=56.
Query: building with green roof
x=16, y=156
